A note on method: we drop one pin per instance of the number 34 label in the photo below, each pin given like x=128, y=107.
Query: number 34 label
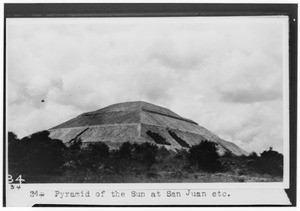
x=18, y=179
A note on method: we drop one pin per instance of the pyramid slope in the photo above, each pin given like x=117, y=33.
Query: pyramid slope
x=130, y=121
x=121, y=113
x=119, y=117
x=134, y=106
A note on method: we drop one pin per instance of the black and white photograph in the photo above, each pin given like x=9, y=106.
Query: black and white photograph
x=200, y=100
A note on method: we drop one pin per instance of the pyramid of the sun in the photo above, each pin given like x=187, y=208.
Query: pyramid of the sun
x=137, y=122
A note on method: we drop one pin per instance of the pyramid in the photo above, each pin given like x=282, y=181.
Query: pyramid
x=138, y=122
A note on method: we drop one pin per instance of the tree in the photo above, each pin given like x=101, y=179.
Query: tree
x=12, y=137
x=75, y=144
x=40, y=154
x=145, y=153
x=16, y=152
x=126, y=150
x=228, y=154
x=271, y=162
x=253, y=155
x=99, y=151
x=91, y=156
x=205, y=156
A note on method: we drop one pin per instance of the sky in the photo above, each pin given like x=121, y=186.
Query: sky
x=224, y=73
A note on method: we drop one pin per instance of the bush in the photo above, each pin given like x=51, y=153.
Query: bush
x=97, y=152
x=145, y=153
x=163, y=154
x=134, y=157
x=73, y=154
x=182, y=154
x=14, y=149
x=76, y=144
x=205, y=156
x=271, y=162
x=253, y=156
x=40, y=154
x=126, y=150
x=89, y=157
x=16, y=152
x=228, y=154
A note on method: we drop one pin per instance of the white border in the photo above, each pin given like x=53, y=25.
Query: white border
x=285, y=184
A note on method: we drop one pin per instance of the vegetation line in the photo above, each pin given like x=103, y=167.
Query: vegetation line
x=40, y=159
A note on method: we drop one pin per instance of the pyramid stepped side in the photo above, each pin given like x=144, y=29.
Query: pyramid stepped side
x=120, y=117
x=134, y=106
x=225, y=144
x=191, y=133
x=162, y=132
x=65, y=134
x=127, y=106
x=130, y=121
x=234, y=148
x=188, y=137
x=114, y=133
x=150, y=118
x=103, y=133
x=158, y=109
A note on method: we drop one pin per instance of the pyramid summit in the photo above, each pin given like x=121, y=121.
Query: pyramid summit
x=138, y=122
x=122, y=113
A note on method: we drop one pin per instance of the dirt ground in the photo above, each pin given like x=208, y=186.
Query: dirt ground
x=162, y=177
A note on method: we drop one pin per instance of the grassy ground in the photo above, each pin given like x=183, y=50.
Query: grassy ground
x=148, y=165
x=40, y=159
x=104, y=176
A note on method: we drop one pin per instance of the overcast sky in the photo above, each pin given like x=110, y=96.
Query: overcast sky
x=224, y=73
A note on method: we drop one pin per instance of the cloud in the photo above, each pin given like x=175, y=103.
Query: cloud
x=253, y=78
x=225, y=75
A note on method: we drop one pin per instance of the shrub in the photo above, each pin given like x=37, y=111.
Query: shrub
x=253, y=156
x=91, y=156
x=13, y=148
x=163, y=154
x=12, y=137
x=75, y=144
x=228, y=154
x=73, y=154
x=126, y=150
x=183, y=155
x=133, y=157
x=16, y=151
x=205, y=156
x=42, y=154
x=145, y=153
x=99, y=150
x=271, y=162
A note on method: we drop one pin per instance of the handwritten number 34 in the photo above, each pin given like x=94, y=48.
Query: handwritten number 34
x=18, y=179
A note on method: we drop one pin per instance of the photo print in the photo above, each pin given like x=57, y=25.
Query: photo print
x=168, y=110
